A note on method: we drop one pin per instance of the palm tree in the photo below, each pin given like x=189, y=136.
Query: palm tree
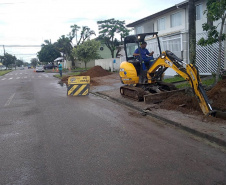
x=85, y=34
x=73, y=32
x=46, y=42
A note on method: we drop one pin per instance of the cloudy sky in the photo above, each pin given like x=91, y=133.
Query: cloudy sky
x=30, y=22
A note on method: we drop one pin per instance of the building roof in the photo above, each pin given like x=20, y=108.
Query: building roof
x=148, y=18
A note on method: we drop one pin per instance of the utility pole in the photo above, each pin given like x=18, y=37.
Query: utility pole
x=15, y=61
x=4, y=54
x=192, y=30
x=4, y=49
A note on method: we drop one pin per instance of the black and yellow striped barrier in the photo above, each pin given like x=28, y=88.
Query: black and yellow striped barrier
x=78, y=85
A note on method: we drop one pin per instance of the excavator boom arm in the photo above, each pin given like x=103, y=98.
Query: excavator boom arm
x=188, y=71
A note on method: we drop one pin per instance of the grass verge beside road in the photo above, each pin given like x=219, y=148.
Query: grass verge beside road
x=184, y=83
x=4, y=72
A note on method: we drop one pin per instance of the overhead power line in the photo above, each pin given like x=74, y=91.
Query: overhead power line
x=21, y=46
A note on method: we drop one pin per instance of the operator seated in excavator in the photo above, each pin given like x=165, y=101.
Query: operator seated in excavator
x=144, y=56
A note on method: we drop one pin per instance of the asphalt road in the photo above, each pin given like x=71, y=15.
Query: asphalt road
x=49, y=138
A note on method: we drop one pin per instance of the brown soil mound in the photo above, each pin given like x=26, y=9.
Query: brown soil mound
x=217, y=95
x=181, y=102
x=96, y=71
x=65, y=78
x=189, y=104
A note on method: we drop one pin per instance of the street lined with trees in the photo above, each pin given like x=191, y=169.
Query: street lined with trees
x=112, y=32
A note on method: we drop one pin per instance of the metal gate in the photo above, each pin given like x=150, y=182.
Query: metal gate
x=207, y=56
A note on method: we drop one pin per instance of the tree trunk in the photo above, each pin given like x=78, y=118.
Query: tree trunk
x=72, y=61
x=112, y=53
x=219, y=52
x=192, y=31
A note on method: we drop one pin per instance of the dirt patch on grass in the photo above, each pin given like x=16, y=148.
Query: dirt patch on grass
x=188, y=104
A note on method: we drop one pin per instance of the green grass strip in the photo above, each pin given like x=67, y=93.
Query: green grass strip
x=4, y=72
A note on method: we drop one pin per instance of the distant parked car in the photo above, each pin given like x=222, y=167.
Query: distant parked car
x=49, y=66
x=21, y=68
x=39, y=68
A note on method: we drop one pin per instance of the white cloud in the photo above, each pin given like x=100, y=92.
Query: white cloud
x=30, y=22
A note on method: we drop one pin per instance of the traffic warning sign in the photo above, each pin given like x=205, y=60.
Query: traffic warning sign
x=78, y=85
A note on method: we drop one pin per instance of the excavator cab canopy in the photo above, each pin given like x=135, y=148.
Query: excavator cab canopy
x=132, y=42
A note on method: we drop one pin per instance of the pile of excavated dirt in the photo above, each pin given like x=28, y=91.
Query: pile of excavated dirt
x=217, y=95
x=181, y=102
x=189, y=104
x=96, y=71
x=65, y=78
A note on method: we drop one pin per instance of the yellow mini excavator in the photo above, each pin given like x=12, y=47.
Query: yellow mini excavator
x=139, y=82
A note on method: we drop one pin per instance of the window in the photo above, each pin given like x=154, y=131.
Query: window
x=139, y=29
x=161, y=24
x=130, y=48
x=172, y=43
x=176, y=19
x=199, y=12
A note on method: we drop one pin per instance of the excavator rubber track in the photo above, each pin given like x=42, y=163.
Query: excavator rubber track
x=131, y=92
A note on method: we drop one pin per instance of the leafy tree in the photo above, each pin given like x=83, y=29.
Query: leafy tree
x=48, y=52
x=9, y=60
x=215, y=11
x=87, y=51
x=26, y=63
x=34, y=62
x=19, y=63
x=46, y=42
x=73, y=33
x=85, y=34
x=63, y=45
x=109, y=29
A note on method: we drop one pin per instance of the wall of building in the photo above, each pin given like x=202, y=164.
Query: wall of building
x=148, y=27
x=111, y=64
x=168, y=28
x=80, y=64
x=105, y=53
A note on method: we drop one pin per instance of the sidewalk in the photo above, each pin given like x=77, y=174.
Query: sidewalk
x=212, y=129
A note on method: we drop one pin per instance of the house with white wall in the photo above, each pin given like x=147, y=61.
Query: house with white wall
x=172, y=27
x=103, y=52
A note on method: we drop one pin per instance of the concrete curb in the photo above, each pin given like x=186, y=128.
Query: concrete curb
x=185, y=128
